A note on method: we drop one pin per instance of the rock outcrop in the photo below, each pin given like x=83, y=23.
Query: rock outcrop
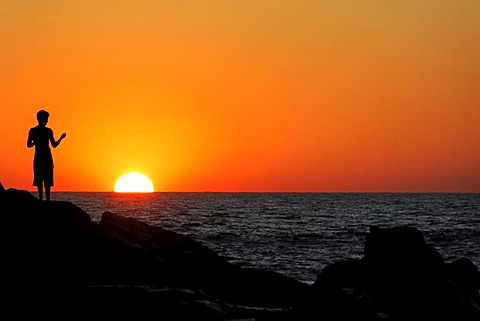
x=400, y=277
x=122, y=265
x=55, y=258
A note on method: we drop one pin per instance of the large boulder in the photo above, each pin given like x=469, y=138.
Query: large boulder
x=400, y=277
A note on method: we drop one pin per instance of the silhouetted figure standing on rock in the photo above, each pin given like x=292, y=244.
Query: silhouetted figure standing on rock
x=41, y=136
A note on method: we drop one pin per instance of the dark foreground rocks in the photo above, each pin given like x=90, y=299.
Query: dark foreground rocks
x=56, y=262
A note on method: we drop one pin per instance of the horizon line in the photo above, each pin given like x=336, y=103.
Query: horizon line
x=272, y=192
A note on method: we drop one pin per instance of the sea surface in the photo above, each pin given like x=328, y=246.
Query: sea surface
x=297, y=234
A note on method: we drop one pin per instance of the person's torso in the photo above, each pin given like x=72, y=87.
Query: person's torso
x=41, y=139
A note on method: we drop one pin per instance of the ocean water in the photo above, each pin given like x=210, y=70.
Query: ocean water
x=297, y=234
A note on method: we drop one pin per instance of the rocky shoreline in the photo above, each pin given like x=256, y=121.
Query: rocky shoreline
x=56, y=259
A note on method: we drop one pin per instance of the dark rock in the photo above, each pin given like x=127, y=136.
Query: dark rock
x=466, y=276
x=127, y=265
x=350, y=274
x=399, y=245
x=197, y=267
x=54, y=255
x=190, y=262
x=400, y=278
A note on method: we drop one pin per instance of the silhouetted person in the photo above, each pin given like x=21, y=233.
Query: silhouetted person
x=41, y=136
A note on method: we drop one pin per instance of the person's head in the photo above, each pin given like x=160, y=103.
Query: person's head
x=42, y=117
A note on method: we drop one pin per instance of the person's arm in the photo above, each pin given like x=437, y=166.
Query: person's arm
x=56, y=143
x=30, y=142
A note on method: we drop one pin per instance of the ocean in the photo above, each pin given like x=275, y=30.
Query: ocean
x=297, y=234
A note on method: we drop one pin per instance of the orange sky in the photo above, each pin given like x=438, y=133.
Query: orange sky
x=245, y=95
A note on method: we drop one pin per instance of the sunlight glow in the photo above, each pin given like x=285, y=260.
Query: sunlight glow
x=133, y=183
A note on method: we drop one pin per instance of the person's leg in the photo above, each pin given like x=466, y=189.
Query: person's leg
x=47, y=192
x=40, y=191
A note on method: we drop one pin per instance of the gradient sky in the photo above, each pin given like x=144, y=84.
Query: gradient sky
x=272, y=95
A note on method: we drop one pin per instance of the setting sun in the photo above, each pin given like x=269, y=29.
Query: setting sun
x=133, y=183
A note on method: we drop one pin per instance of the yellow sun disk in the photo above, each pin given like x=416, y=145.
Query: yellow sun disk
x=133, y=183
